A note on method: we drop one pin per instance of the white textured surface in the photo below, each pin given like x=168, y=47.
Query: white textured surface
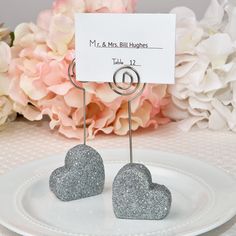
x=22, y=142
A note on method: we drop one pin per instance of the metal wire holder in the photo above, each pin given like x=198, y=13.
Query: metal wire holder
x=130, y=84
x=72, y=77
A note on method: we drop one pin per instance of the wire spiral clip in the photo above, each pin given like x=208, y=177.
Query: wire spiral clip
x=126, y=82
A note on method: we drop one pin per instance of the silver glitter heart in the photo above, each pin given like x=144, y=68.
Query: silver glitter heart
x=134, y=196
x=82, y=176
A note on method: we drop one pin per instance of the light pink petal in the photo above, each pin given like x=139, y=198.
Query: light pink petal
x=68, y=7
x=107, y=130
x=61, y=33
x=65, y=120
x=16, y=93
x=105, y=94
x=44, y=19
x=32, y=87
x=55, y=105
x=120, y=6
x=74, y=98
x=139, y=119
x=69, y=132
x=61, y=89
x=104, y=118
x=29, y=112
x=155, y=93
x=52, y=74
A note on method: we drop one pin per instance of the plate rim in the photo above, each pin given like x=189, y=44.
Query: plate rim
x=221, y=220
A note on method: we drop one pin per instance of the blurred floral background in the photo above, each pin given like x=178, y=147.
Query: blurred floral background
x=34, y=81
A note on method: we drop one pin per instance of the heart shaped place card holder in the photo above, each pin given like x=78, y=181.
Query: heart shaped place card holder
x=134, y=195
x=83, y=174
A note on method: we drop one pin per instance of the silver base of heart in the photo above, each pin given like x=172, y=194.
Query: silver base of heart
x=82, y=176
x=136, y=197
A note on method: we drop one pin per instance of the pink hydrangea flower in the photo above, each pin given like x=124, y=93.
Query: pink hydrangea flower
x=7, y=113
x=40, y=87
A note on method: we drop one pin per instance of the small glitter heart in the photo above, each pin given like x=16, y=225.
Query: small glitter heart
x=82, y=176
x=134, y=196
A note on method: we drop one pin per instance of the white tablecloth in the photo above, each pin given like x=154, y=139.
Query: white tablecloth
x=22, y=142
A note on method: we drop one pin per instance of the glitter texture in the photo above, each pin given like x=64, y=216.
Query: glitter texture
x=134, y=196
x=82, y=176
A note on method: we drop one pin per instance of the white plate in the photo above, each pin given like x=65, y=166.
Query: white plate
x=203, y=198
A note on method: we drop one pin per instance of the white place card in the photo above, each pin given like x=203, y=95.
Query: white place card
x=106, y=42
